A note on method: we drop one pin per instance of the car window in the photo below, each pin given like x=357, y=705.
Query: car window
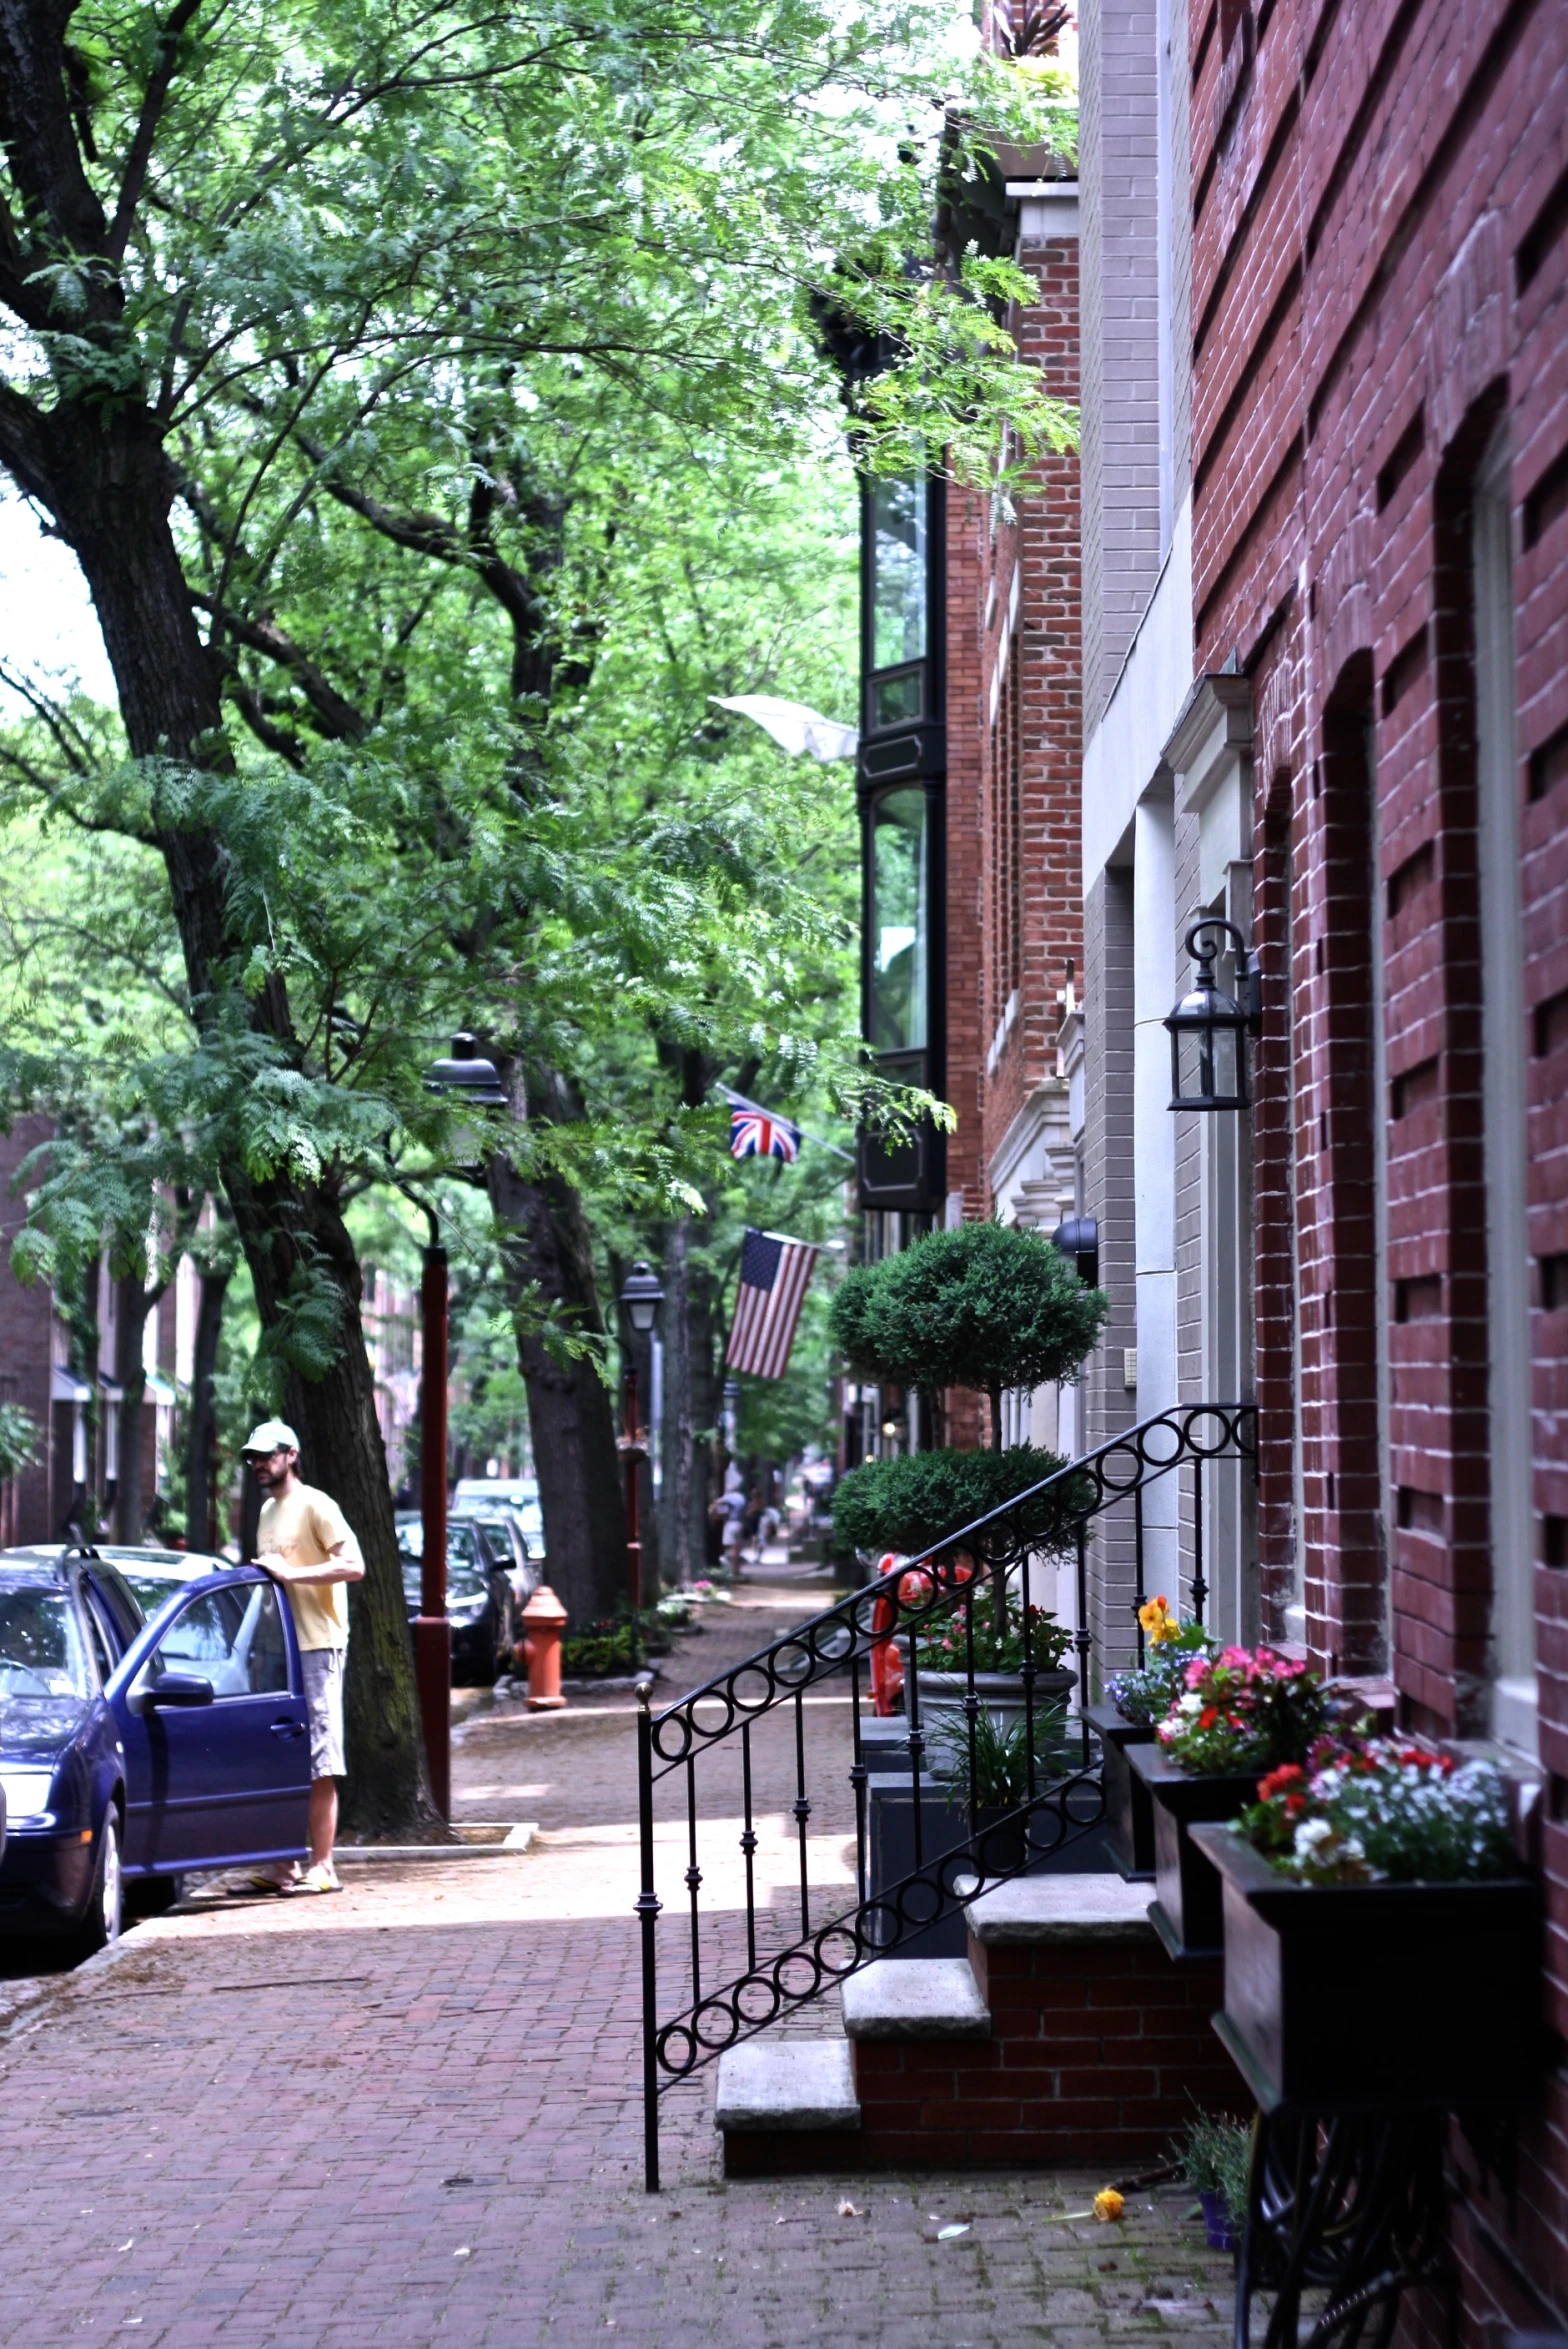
x=99, y=1639
x=233, y=1637
x=42, y=1652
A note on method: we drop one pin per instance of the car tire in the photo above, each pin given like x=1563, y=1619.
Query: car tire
x=101, y=1920
x=152, y=1896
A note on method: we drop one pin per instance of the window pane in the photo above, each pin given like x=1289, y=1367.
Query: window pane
x=234, y=1638
x=899, y=921
x=898, y=572
x=896, y=699
x=41, y=1650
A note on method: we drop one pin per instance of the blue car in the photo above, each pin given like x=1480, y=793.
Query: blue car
x=136, y=1748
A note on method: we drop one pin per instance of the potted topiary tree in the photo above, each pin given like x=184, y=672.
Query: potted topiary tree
x=986, y=1307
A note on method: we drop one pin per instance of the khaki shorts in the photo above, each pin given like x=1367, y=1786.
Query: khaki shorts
x=323, y=1669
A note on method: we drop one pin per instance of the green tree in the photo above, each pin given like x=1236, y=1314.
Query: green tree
x=323, y=322
x=988, y=1306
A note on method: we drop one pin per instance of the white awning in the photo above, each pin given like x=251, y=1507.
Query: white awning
x=66, y=1387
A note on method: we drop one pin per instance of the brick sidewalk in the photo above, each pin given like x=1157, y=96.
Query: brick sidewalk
x=410, y=2115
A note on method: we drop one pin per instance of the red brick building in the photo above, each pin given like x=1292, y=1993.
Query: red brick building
x=1379, y=468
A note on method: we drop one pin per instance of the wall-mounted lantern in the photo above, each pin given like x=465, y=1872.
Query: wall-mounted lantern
x=1208, y=1028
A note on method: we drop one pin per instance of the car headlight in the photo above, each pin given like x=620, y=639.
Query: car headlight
x=26, y=1792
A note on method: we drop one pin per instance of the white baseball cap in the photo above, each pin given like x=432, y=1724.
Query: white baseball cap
x=270, y=1434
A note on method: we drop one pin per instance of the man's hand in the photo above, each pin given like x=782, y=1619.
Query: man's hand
x=339, y=1567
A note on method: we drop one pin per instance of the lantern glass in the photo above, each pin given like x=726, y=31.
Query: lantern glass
x=1208, y=1057
x=642, y=1296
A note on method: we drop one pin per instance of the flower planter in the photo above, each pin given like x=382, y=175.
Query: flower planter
x=942, y=1695
x=1379, y=1998
x=1129, y=1807
x=1187, y=1912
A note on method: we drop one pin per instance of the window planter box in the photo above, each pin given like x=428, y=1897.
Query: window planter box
x=1128, y=1804
x=1377, y=1997
x=1187, y=1912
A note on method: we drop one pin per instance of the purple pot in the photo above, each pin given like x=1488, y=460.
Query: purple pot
x=1217, y=2227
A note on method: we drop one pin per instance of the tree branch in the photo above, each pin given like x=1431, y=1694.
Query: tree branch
x=336, y=716
x=154, y=97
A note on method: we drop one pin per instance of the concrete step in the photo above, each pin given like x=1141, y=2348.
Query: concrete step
x=793, y=2084
x=1076, y=1910
x=915, y=1998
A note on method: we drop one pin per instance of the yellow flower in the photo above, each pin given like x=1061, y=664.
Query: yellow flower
x=1157, y=1620
x=1108, y=2204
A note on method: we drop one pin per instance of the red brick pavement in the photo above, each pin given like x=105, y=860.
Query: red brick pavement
x=410, y=2115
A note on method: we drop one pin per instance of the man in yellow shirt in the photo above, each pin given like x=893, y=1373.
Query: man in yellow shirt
x=305, y=1542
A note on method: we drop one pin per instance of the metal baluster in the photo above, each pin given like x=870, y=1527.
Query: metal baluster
x=693, y=1875
x=857, y=1779
x=1137, y=1564
x=802, y=1806
x=971, y=1704
x=1200, y=1589
x=1081, y=1640
x=648, y=1906
x=1028, y=1678
x=748, y=1844
x=917, y=1743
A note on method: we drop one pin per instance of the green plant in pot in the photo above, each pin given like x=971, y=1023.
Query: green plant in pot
x=1214, y=2157
x=1001, y=1773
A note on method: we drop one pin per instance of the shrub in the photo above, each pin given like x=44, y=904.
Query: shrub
x=910, y=1504
x=987, y=1306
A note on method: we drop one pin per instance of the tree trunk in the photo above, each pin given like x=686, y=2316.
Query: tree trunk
x=110, y=487
x=202, y=1531
x=547, y=1260
x=291, y=1234
x=682, y=1530
x=134, y=1301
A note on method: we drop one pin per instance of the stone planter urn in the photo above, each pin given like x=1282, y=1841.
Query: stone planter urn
x=1378, y=1998
x=1187, y=1911
x=942, y=1696
x=1129, y=1806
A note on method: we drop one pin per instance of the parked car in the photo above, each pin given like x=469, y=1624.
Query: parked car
x=514, y=1499
x=508, y=1542
x=480, y=1604
x=132, y=1750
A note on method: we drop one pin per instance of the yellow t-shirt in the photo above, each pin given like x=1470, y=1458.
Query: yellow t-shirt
x=304, y=1528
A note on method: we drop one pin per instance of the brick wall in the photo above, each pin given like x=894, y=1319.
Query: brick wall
x=1380, y=206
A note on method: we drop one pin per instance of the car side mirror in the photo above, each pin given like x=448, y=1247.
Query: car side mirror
x=179, y=1688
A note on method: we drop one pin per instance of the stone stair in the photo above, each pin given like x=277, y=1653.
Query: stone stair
x=1066, y=2035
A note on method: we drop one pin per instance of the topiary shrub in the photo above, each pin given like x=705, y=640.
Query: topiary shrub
x=910, y=1504
x=987, y=1306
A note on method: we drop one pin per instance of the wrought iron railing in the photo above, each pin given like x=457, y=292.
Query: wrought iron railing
x=1004, y=1554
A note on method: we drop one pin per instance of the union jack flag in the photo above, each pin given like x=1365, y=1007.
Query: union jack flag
x=773, y=1276
x=754, y=1134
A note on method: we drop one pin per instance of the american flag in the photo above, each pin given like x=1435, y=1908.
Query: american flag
x=773, y=1276
x=754, y=1134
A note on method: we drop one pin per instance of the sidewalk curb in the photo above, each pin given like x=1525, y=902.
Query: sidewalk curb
x=517, y=1840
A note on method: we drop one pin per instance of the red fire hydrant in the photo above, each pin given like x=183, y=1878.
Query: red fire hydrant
x=544, y=1620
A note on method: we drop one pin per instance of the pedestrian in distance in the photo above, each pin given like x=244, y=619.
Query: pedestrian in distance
x=306, y=1543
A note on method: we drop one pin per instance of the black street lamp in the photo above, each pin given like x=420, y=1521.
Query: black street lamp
x=641, y=1297
x=1208, y=1028
x=473, y=1079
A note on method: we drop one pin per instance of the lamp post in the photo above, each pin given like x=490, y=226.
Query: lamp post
x=475, y=1080
x=641, y=1296
x=1208, y=1028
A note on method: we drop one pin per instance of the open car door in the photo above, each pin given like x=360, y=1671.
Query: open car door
x=210, y=1706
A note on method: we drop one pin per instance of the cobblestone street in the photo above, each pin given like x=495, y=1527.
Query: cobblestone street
x=411, y=2115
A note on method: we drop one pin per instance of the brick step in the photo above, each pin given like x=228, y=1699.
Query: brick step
x=1066, y=2036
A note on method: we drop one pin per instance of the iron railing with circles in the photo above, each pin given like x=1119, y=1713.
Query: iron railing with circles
x=731, y=1985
